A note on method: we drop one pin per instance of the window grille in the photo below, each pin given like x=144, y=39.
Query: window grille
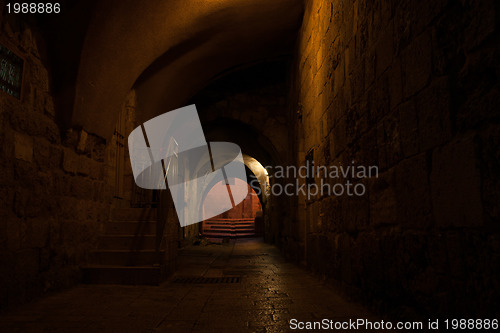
x=11, y=72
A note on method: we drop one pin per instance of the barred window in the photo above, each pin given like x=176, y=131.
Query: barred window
x=11, y=72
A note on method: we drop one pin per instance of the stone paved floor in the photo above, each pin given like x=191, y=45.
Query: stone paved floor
x=271, y=292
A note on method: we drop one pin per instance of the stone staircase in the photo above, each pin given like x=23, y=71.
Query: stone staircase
x=126, y=252
x=233, y=228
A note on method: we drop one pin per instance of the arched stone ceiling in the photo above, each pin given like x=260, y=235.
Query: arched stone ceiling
x=174, y=47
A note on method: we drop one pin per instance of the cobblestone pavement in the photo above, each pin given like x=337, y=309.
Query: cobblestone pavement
x=270, y=293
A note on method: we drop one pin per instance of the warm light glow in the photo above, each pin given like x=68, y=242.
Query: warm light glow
x=259, y=171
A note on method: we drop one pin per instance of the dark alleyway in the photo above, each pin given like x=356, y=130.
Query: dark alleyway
x=270, y=293
x=368, y=132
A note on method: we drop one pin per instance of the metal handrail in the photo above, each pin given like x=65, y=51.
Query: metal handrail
x=162, y=211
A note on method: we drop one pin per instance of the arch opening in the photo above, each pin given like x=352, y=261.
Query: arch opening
x=243, y=220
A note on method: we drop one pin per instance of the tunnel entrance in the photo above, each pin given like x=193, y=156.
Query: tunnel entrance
x=243, y=220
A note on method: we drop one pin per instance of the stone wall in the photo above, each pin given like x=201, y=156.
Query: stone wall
x=53, y=196
x=411, y=87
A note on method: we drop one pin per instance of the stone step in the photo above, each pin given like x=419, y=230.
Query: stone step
x=133, y=214
x=229, y=232
x=229, y=223
x=131, y=228
x=126, y=252
x=235, y=227
x=217, y=234
x=127, y=242
x=137, y=275
x=126, y=258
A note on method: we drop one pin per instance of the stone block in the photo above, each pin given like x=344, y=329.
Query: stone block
x=356, y=213
x=96, y=168
x=71, y=161
x=379, y=98
x=21, y=198
x=35, y=99
x=490, y=174
x=417, y=64
x=408, y=125
x=357, y=83
x=97, y=147
x=433, y=113
x=383, y=200
x=357, y=122
x=35, y=124
x=455, y=185
x=368, y=149
x=331, y=210
x=478, y=84
x=47, y=155
x=392, y=134
x=384, y=48
x=35, y=206
x=13, y=233
x=339, y=76
x=345, y=263
x=70, y=138
x=402, y=25
x=482, y=25
x=23, y=147
x=38, y=74
x=25, y=174
x=37, y=233
x=99, y=191
x=370, y=63
x=82, y=141
x=339, y=137
x=381, y=147
x=27, y=262
x=61, y=182
x=49, y=108
x=6, y=197
x=413, y=192
x=82, y=188
x=28, y=43
x=84, y=165
x=395, y=83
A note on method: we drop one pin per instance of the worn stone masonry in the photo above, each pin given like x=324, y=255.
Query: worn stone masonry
x=408, y=86
x=411, y=87
x=54, y=194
